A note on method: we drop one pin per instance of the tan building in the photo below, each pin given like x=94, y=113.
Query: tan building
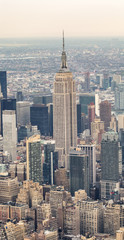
x=120, y=121
x=18, y=211
x=111, y=218
x=49, y=235
x=14, y=231
x=120, y=234
x=72, y=220
x=91, y=217
x=64, y=112
x=113, y=123
x=31, y=192
x=96, y=127
x=61, y=178
x=4, y=212
x=9, y=189
x=80, y=195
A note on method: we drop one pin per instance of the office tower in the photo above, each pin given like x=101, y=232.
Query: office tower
x=39, y=117
x=9, y=133
x=87, y=81
x=62, y=178
x=111, y=218
x=78, y=119
x=91, y=216
x=50, y=162
x=3, y=83
x=97, y=128
x=91, y=113
x=23, y=113
x=119, y=97
x=64, y=112
x=111, y=156
x=46, y=99
x=121, y=139
x=105, y=113
x=9, y=189
x=84, y=122
x=114, y=123
x=33, y=156
x=106, y=83
x=111, y=163
x=90, y=150
x=50, y=117
x=120, y=121
x=97, y=102
x=72, y=220
x=19, y=96
x=79, y=171
x=6, y=104
x=85, y=99
x=99, y=79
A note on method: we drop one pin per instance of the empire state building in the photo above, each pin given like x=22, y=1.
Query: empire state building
x=64, y=112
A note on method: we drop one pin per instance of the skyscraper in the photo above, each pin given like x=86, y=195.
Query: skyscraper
x=34, y=165
x=91, y=113
x=105, y=113
x=3, y=83
x=64, y=112
x=9, y=133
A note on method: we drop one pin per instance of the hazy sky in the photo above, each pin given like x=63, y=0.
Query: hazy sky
x=44, y=18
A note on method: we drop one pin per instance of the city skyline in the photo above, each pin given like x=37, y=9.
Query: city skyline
x=48, y=18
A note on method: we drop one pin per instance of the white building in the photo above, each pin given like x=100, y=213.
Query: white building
x=9, y=133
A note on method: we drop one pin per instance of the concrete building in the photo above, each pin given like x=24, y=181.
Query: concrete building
x=64, y=112
x=80, y=195
x=62, y=178
x=33, y=156
x=108, y=187
x=120, y=234
x=97, y=128
x=9, y=133
x=120, y=121
x=114, y=123
x=105, y=113
x=91, y=217
x=23, y=113
x=4, y=212
x=72, y=220
x=79, y=171
x=9, y=189
x=51, y=235
x=111, y=218
x=14, y=231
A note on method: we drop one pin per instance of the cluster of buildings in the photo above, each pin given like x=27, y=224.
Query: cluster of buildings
x=62, y=162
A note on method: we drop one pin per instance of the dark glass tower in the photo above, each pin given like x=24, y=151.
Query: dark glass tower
x=39, y=117
x=3, y=82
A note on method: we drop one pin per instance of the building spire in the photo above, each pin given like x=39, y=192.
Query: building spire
x=63, y=65
x=63, y=41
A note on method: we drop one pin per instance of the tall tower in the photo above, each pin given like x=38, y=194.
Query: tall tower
x=64, y=112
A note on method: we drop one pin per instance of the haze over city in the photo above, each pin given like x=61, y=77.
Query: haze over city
x=47, y=18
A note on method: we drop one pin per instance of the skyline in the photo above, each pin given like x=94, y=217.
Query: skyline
x=47, y=18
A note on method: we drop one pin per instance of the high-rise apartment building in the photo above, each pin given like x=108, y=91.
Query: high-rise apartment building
x=64, y=112
x=34, y=165
x=105, y=113
x=91, y=217
x=97, y=128
x=9, y=133
x=3, y=83
x=119, y=97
